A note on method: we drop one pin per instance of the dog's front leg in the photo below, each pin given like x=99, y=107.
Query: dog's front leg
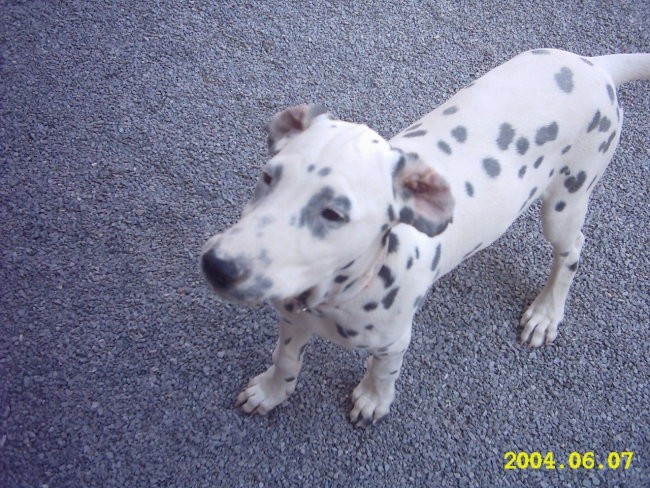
x=267, y=390
x=374, y=394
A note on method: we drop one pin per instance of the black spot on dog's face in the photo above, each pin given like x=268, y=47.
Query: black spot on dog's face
x=325, y=212
x=267, y=183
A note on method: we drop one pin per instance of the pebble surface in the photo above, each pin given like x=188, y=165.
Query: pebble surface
x=132, y=131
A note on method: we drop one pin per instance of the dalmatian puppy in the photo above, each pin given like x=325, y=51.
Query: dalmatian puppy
x=346, y=231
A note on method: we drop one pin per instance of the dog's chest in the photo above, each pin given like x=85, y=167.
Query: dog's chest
x=382, y=312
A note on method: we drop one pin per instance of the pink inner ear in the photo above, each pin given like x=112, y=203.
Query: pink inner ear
x=297, y=116
x=419, y=186
x=431, y=193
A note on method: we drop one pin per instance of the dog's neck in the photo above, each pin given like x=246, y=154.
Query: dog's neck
x=347, y=282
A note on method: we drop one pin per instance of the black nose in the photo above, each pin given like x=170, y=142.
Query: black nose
x=221, y=273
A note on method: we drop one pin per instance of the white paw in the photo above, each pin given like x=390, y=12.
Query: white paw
x=265, y=392
x=540, y=323
x=371, y=402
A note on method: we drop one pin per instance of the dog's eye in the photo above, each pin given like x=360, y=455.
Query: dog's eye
x=267, y=178
x=332, y=215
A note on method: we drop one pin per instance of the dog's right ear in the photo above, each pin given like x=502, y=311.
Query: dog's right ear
x=423, y=196
x=288, y=123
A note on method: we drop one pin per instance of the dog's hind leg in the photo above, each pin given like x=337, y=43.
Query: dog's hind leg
x=561, y=224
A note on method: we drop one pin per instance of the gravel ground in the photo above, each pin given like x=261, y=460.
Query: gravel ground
x=132, y=131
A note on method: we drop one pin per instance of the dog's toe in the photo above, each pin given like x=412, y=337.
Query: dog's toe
x=363, y=422
x=370, y=405
x=262, y=394
x=540, y=325
x=539, y=329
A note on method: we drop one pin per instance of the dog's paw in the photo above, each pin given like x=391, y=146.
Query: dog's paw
x=540, y=323
x=265, y=392
x=371, y=403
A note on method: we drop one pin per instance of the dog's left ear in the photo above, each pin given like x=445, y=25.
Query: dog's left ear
x=286, y=124
x=423, y=196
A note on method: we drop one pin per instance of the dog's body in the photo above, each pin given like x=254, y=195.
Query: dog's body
x=347, y=232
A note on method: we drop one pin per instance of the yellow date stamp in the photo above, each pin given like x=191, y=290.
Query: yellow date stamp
x=522, y=460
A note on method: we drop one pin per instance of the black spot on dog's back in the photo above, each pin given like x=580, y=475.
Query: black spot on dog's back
x=546, y=134
x=492, y=167
x=564, y=80
x=505, y=137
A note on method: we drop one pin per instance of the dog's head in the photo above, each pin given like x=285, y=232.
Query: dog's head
x=330, y=192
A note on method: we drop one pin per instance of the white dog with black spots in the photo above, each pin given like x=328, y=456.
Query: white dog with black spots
x=346, y=231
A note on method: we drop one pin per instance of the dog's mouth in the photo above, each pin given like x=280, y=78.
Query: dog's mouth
x=297, y=304
x=234, y=281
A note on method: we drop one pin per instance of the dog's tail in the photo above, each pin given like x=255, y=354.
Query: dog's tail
x=625, y=67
